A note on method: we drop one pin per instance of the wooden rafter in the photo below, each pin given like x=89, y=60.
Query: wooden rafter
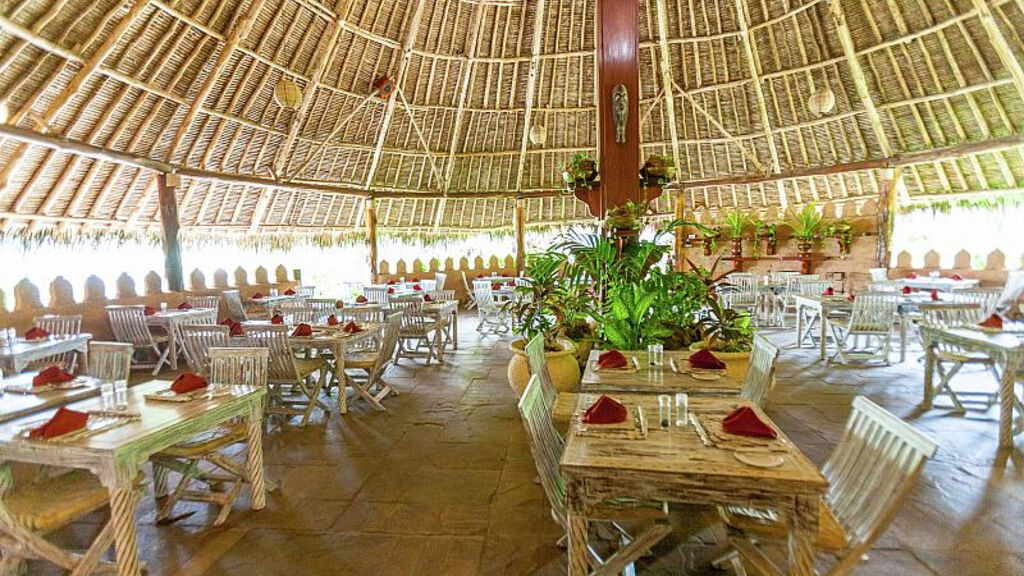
x=754, y=67
x=665, y=67
x=1000, y=44
x=531, y=84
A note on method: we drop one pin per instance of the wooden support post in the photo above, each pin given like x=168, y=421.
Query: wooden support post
x=167, y=185
x=371, y=238
x=680, y=252
x=888, y=197
x=520, y=231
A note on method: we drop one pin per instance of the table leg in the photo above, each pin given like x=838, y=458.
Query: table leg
x=578, y=543
x=803, y=528
x=254, y=455
x=122, y=516
x=929, y=374
x=799, y=326
x=824, y=332
x=339, y=374
x=172, y=344
x=1006, y=385
x=455, y=329
x=903, y=337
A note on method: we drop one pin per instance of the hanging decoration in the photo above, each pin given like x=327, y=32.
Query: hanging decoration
x=538, y=134
x=384, y=86
x=822, y=100
x=288, y=95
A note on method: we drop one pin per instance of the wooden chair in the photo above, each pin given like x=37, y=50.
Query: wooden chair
x=418, y=331
x=206, y=302
x=439, y=281
x=129, y=325
x=878, y=274
x=291, y=386
x=235, y=308
x=443, y=295
x=31, y=512
x=470, y=292
x=986, y=299
x=109, y=361
x=66, y=325
x=954, y=316
x=887, y=286
x=370, y=366
x=872, y=319
x=872, y=470
x=377, y=294
x=561, y=404
x=546, y=446
x=760, y=370
x=307, y=291
x=202, y=459
x=306, y=315
x=742, y=293
x=493, y=315
x=197, y=339
x=326, y=306
x=798, y=285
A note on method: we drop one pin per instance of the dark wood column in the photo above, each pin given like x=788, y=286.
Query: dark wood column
x=371, y=238
x=888, y=198
x=167, y=189
x=519, y=221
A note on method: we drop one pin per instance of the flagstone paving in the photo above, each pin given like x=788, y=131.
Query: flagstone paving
x=443, y=483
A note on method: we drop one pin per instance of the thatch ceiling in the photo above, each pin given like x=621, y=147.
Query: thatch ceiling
x=191, y=83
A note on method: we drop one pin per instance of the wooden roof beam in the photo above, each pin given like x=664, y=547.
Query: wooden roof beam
x=665, y=67
x=531, y=83
x=1000, y=44
x=754, y=63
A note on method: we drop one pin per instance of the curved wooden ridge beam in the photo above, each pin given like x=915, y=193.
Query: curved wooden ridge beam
x=531, y=84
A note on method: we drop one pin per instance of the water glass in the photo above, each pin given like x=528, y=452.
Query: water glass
x=655, y=354
x=107, y=395
x=664, y=410
x=121, y=394
x=163, y=306
x=273, y=292
x=682, y=409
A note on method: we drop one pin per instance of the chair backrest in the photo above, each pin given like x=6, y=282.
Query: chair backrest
x=235, y=308
x=66, y=325
x=873, y=312
x=538, y=363
x=239, y=366
x=484, y=294
x=760, y=370
x=325, y=306
x=443, y=295
x=197, y=339
x=110, y=361
x=1012, y=292
x=378, y=294
x=872, y=469
x=546, y=445
x=427, y=285
x=361, y=315
x=386, y=353
x=412, y=308
x=209, y=302
x=274, y=337
x=886, y=286
x=743, y=290
x=307, y=291
x=986, y=299
x=307, y=315
x=810, y=287
x=129, y=324
x=439, y=280
x=878, y=274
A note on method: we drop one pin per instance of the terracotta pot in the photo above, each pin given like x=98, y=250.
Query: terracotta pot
x=737, y=247
x=562, y=364
x=707, y=246
x=804, y=246
x=735, y=362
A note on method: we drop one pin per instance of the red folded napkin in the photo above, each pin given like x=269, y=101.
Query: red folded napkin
x=744, y=422
x=829, y=292
x=703, y=358
x=391, y=290
x=427, y=298
x=36, y=333
x=51, y=375
x=993, y=321
x=303, y=330
x=912, y=276
x=605, y=411
x=63, y=422
x=339, y=304
x=415, y=279
x=935, y=295
x=277, y=319
x=480, y=276
x=332, y=320
x=907, y=290
x=188, y=382
x=496, y=286
x=392, y=282
x=361, y=299
x=234, y=327
x=612, y=359
x=417, y=287
x=149, y=311
x=851, y=297
x=257, y=296
x=289, y=292
x=957, y=277
x=510, y=284
x=352, y=328
x=184, y=306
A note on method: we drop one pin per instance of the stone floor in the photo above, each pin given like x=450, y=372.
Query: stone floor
x=442, y=483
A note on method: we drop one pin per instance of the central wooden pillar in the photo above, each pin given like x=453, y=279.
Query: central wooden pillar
x=371, y=238
x=519, y=221
x=888, y=197
x=167, y=185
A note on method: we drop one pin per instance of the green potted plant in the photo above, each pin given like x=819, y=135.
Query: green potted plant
x=581, y=172
x=709, y=239
x=729, y=334
x=805, y=224
x=842, y=231
x=735, y=224
x=624, y=218
x=767, y=232
x=658, y=169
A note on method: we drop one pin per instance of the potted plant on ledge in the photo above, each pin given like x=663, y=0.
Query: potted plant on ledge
x=766, y=231
x=735, y=223
x=710, y=240
x=581, y=172
x=805, y=224
x=842, y=231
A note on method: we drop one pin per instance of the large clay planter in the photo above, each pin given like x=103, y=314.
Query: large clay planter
x=562, y=364
x=735, y=362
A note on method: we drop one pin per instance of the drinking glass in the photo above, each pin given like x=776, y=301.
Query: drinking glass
x=682, y=409
x=652, y=355
x=107, y=395
x=664, y=410
x=163, y=306
x=121, y=394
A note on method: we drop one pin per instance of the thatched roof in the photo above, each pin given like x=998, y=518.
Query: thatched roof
x=191, y=83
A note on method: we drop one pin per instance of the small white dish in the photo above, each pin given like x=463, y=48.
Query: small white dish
x=705, y=376
x=760, y=459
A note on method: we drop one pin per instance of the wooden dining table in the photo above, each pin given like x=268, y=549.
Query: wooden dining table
x=679, y=465
x=116, y=455
x=17, y=404
x=171, y=320
x=17, y=356
x=657, y=379
x=447, y=316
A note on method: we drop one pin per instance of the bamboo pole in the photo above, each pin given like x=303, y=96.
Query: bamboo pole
x=371, y=237
x=167, y=186
x=888, y=205
x=519, y=225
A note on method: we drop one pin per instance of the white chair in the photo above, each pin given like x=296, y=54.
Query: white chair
x=129, y=325
x=954, y=316
x=760, y=371
x=109, y=361
x=368, y=382
x=307, y=291
x=872, y=320
x=546, y=446
x=492, y=313
x=376, y=294
x=326, y=306
x=439, y=281
x=207, y=302
x=878, y=274
x=986, y=299
x=203, y=458
x=197, y=339
x=560, y=404
x=742, y=293
x=306, y=315
x=235, y=308
x=292, y=388
x=420, y=334
x=1013, y=291
x=470, y=292
x=870, y=473
x=802, y=285
x=886, y=286
x=65, y=325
